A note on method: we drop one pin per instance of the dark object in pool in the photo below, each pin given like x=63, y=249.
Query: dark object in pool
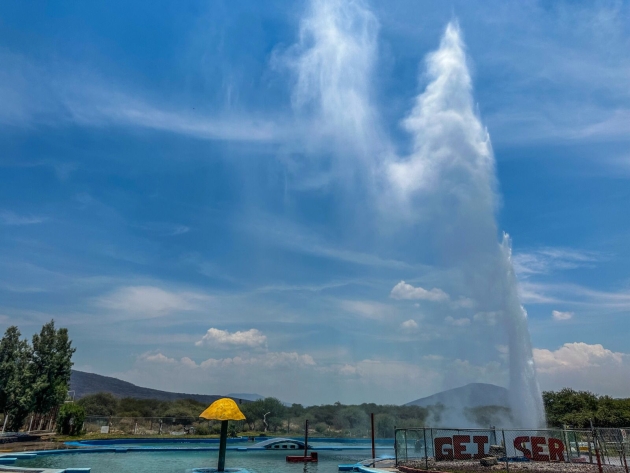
x=302, y=458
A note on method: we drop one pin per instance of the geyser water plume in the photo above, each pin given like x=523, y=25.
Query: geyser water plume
x=449, y=179
x=333, y=62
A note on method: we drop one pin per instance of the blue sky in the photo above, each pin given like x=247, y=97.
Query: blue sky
x=203, y=193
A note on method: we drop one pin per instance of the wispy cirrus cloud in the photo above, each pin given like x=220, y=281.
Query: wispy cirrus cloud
x=549, y=259
x=574, y=295
x=105, y=107
x=288, y=235
x=13, y=219
x=368, y=309
x=151, y=301
x=50, y=95
x=164, y=228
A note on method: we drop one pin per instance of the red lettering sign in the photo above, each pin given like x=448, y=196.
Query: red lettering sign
x=519, y=444
x=447, y=448
x=481, y=442
x=556, y=450
x=459, y=448
x=440, y=454
x=537, y=450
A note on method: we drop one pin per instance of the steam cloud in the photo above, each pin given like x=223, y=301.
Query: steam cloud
x=447, y=182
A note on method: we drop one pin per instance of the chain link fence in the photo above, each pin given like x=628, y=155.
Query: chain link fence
x=148, y=426
x=426, y=448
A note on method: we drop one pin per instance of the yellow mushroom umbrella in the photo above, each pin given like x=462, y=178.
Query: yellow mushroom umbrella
x=223, y=409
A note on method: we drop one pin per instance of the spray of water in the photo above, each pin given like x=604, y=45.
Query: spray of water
x=447, y=183
x=451, y=172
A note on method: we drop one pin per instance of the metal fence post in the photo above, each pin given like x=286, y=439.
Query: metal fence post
x=396, y=445
x=426, y=451
x=595, y=442
x=507, y=465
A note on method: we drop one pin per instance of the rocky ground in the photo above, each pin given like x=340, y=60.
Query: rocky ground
x=533, y=467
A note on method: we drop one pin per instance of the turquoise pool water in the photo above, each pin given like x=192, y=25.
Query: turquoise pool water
x=181, y=462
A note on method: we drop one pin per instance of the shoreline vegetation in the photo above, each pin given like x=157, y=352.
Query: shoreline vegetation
x=35, y=378
x=563, y=408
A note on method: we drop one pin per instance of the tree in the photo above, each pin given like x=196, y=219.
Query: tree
x=52, y=365
x=571, y=407
x=384, y=425
x=16, y=393
x=351, y=417
x=579, y=408
x=70, y=419
x=296, y=410
x=277, y=413
x=255, y=411
x=99, y=404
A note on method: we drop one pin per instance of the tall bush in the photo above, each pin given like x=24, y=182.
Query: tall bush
x=70, y=419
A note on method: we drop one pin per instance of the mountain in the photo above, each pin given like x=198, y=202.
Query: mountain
x=471, y=395
x=246, y=396
x=90, y=383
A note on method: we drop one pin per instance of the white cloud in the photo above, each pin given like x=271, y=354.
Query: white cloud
x=575, y=356
x=151, y=301
x=250, y=338
x=10, y=218
x=582, y=366
x=368, y=309
x=266, y=360
x=557, y=315
x=462, y=322
x=402, y=290
x=157, y=358
x=286, y=375
x=409, y=324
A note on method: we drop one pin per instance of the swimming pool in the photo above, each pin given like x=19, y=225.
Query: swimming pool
x=184, y=461
x=179, y=456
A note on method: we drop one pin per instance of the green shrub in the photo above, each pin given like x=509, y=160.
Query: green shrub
x=70, y=419
x=202, y=430
x=321, y=427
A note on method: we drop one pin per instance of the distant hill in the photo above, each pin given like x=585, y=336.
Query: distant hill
x=246, y=396
x=471, y=395
x=84, y=384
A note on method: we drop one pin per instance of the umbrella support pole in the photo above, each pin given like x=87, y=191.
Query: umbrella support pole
x=222, y=445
